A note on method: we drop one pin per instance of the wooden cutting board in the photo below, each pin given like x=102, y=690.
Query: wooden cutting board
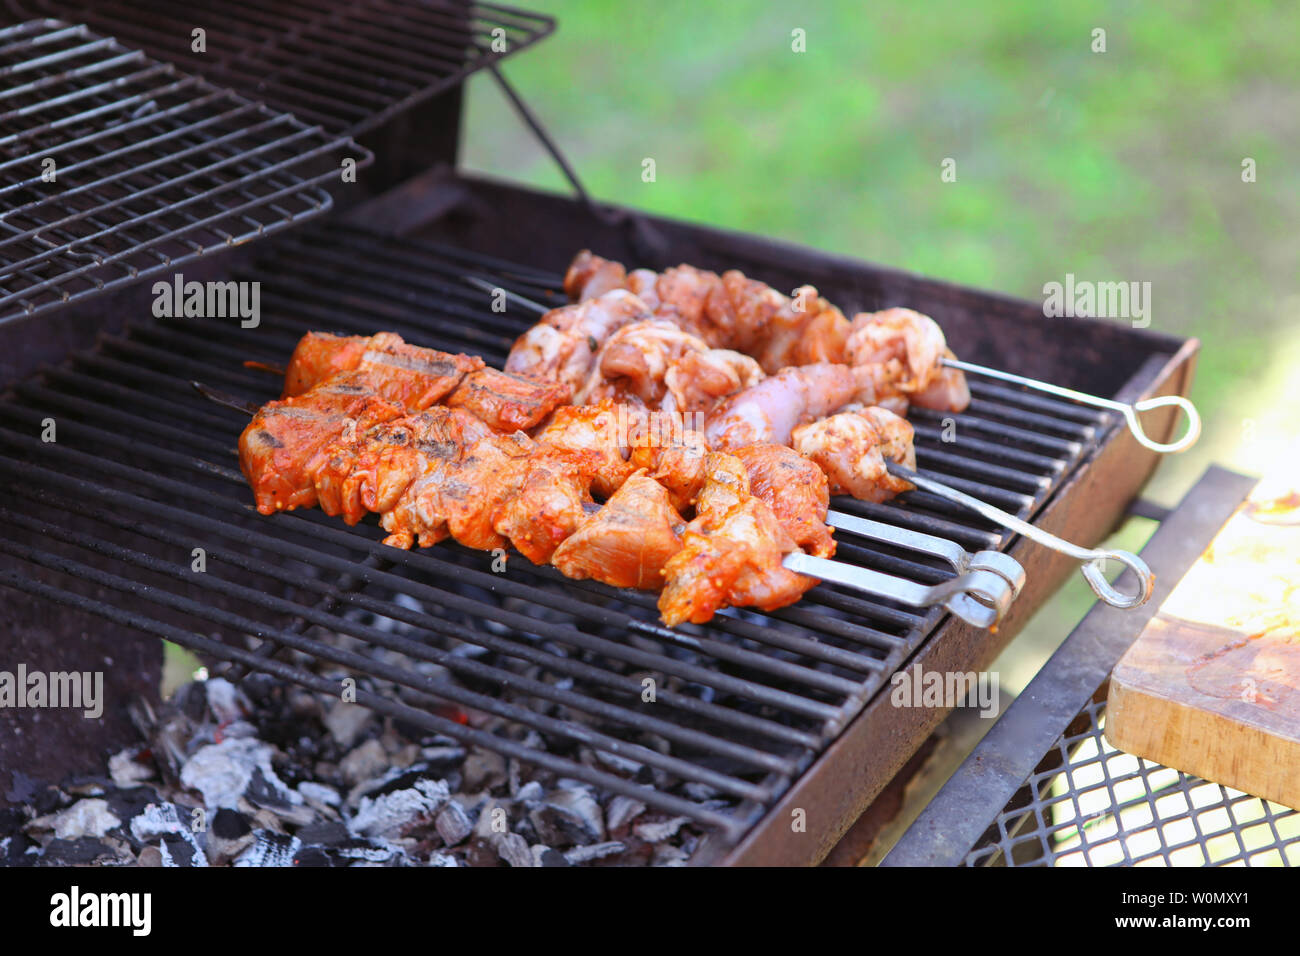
x=1212, y=685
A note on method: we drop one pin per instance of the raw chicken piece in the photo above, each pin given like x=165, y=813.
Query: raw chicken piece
x=852, y=447
x=769, y=411
x=562, y=346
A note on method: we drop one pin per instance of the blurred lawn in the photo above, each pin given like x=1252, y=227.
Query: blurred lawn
x=1123, y=165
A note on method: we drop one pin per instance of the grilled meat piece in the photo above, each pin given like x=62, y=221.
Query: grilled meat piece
x=372, y=472
x=796, y=490
x=320, y=356
x=731, y=552
x=852, y=447
x=768, y=411
x=603, y=429
x=407, y=375
x=627, y=542
x=562, y=346
x=508, y=402
x=285, y=445
x=657, y=364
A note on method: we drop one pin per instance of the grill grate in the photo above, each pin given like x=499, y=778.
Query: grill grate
x=143, y=471
x=150, y=168
x=348, y=67
x=1098, y=806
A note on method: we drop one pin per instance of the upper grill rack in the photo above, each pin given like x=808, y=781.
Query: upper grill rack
x=143, y=471
x=349, y=67
x=114, y=166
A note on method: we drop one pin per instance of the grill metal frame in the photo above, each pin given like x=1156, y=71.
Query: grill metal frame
x=154, y=168
x=997, y=808
x=414, y=288
x=349, y=68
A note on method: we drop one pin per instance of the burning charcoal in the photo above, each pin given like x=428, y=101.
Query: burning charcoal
x=49, y=799
x=129, y=767
x=150, y=856
x=550, y=857
x=531, y=792
x=168, y=821
x=453, y=823
x=442, y=859
x=442, y=758
x=19, y=850
x=345, y=722
x=324, y=834
x=223, y=772
x=227, y=702
x=288, y=805
x=365, y=762
x=269, y=849
x=481, y=853
x=12, y=819
x=323, y=798
x=622, y=810
x=176, y=851
x=699, y=791
x=82, y=851
x=596, y=851
x=229, y=835
x=666, y=854
x=569, y=816
x=388, y=813
x=657, y=831
x=483, y=770
x=85, y=818
x=514, y=850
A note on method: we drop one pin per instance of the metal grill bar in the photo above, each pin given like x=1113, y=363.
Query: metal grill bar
x=145, y=468
x=348, y=67
x=150, y=168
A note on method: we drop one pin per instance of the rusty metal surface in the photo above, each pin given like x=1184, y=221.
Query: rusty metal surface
x=1009, y=753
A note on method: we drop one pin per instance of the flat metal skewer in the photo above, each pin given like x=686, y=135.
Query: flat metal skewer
x=1130, y=412
x=1094, y=558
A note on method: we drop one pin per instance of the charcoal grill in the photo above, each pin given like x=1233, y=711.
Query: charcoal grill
x=756, y=716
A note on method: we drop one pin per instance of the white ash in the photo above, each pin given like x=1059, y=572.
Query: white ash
x=386, y=814
x=222, y=772
x=283, y=779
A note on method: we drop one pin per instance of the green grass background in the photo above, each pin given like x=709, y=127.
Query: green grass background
x=1122, y=165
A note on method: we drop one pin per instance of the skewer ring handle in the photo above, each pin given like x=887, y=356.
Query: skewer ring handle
x=1192, y=433
x=1000, y=564
x=1093, y=573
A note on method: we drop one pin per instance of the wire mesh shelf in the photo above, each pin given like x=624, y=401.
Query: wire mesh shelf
x=1092, y=805
x=114, y=166
x=347, y=66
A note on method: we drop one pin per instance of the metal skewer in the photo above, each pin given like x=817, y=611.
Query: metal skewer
x=962, y=561
x=1094, y=558
x=1130, y=412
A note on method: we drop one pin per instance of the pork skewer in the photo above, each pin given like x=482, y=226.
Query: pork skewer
x=383, y=472
x=870, y=337
x=769, y=411
x=850, y=447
